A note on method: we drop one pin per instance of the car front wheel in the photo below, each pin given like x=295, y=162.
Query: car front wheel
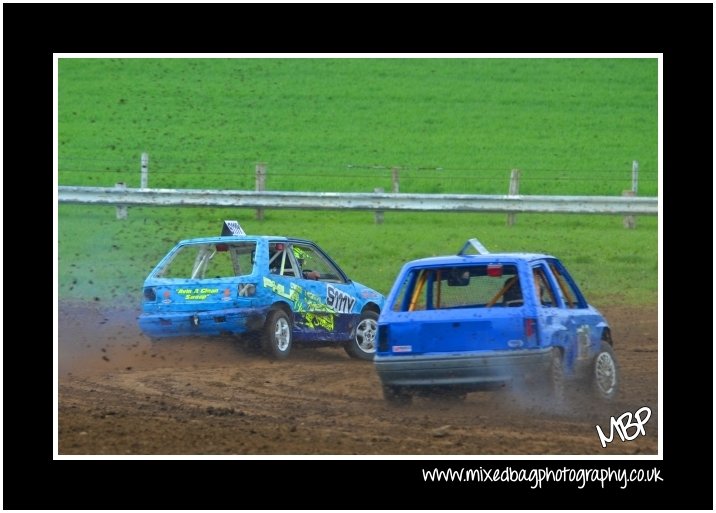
x=363, y=343
x=277, y=334
x=604, y=373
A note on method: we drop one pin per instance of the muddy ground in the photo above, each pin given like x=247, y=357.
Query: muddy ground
x=120, y=394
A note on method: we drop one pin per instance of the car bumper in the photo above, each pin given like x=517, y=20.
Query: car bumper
x=479, y=370
x=214, y=322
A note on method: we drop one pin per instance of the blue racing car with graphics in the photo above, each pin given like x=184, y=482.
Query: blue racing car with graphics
x=273, y=291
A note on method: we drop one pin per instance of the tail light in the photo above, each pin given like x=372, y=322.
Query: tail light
x=530, y=329
x=494, y=270
x=150, y=294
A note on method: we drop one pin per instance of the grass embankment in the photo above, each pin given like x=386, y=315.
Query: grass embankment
x=572, y=126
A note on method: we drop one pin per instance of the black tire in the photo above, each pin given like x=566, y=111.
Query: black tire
x=603, y=376
x=363, y=344
x=396, y=396
x=278, y=335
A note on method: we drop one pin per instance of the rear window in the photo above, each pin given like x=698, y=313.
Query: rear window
x=202, y=261
x=475, y=286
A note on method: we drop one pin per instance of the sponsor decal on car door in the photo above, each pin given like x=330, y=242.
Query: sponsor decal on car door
x=340, y=301
x=332, y=304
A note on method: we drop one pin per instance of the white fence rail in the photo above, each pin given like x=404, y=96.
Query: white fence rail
x=359, y=201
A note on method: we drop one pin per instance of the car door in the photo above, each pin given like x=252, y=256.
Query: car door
x=322, y=299
x=551, y=316
x=331, y=307
x=578, y=321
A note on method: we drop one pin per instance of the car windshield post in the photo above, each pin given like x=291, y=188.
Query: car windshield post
x=283, y=262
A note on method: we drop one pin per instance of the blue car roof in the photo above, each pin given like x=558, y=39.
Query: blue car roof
x=476, y=259
x=238, y=238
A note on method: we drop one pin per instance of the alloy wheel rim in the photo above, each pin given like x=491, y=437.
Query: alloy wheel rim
x=283, y=334
x=365, y=335
x=605, y=373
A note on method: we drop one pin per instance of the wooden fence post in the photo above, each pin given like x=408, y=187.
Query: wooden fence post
x=260, y=186
x=514, y=190
x=630, y=221
x=121, y=209
x=378, y=213
x=396, y=179
x=144, y=178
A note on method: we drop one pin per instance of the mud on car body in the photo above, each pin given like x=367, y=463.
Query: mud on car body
x=275, y=291
x=478, y=320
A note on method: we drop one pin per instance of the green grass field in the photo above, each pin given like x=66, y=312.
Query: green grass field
x=572, y=126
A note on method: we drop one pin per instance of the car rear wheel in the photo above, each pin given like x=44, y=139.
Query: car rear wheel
x=396, y=396
x=277, y=334
x=604, y=373
x=363, y=343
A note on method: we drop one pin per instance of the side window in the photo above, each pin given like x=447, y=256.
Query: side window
x=201, y=261
x=182, y=263
x=241, y=258
x=543, y=288
x=281, y=260
x=301, y=261
x=570, y=294
x=314, y=265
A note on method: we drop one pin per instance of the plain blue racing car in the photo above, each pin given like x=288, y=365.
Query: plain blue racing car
x=479, y=320
x=274, y=291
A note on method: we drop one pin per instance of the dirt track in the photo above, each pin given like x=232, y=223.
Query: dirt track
x=121, y=395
